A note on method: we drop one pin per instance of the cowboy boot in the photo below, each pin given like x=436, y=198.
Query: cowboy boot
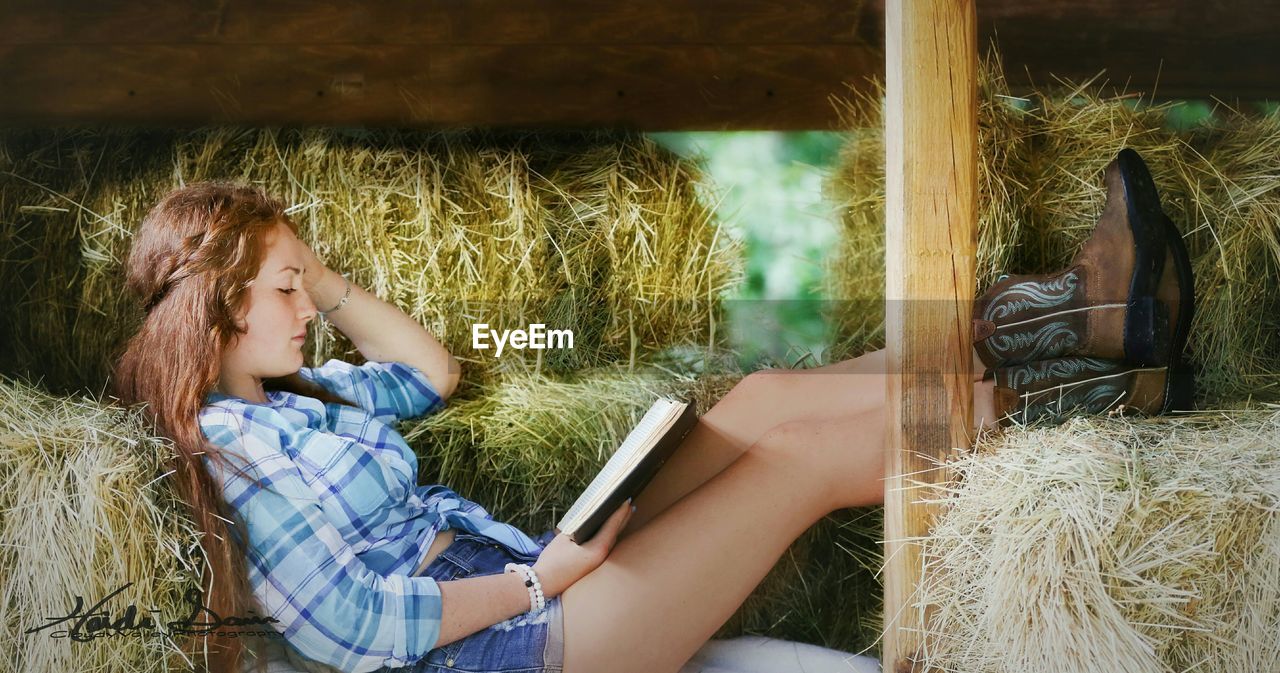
x=1055, y=389
x=1127, y=295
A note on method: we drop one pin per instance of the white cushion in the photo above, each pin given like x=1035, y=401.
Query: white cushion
x=745, y=654
x=757, y=654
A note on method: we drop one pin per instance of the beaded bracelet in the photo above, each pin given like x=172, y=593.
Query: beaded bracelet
x=537, y=602
x=530, y=582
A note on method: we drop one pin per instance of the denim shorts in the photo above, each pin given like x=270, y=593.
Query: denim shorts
x=523, y=644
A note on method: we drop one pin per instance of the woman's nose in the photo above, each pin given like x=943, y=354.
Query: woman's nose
x=309, y=309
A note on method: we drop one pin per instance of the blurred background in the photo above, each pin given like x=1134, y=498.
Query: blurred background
x=770, y=186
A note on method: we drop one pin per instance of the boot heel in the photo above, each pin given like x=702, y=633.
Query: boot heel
x=1146, y=332
x=1146, y=339
x=1180, y=390
x=1146, y=224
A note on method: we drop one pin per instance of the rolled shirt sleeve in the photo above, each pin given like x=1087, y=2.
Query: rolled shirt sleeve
x=330, y=607
x=389, y=391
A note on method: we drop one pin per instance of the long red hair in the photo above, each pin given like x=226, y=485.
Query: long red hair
x=190, y=266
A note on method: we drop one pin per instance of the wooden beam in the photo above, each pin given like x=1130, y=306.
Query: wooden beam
x=662, y=65
x=643, y=87
x=1175, y=48
x=429, y=22
x=931, y=235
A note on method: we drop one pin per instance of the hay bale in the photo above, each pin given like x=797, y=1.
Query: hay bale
x=1040, y=163
x=1232, y=204
x=606, y=232
x=1110, y=544
x=84, y=511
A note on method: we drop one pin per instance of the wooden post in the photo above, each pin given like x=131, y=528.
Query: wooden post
x=931, y=147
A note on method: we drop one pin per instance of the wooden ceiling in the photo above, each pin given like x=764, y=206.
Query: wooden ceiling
x=657, y=65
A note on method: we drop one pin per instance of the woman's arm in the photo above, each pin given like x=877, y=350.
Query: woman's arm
x=381, y=331
x=475, y=603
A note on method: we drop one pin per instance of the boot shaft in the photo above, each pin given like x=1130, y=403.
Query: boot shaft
x=1029, y=317
x=1055, y=389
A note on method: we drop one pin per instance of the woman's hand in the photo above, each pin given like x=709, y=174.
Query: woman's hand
x=313, y=270
x=564, y=561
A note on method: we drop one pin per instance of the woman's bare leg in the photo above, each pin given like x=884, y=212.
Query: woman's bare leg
x=759, y=402
x=665, y=589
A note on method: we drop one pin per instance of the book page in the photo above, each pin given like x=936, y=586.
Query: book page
x=652, y=425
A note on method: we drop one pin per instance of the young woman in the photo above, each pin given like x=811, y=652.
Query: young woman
x=315, y=517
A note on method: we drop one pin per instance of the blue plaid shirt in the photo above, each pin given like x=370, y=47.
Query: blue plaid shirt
x=341, y=524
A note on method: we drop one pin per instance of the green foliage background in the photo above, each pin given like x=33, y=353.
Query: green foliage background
x=770, y=185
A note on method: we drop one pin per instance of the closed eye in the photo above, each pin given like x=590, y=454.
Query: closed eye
x=289, y=291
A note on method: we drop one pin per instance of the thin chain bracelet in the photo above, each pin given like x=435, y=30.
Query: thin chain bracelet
x=346, y=295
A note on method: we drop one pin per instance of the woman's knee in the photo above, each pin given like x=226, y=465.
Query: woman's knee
x=757, y=398
x=831, y=437
x=826, y=454
x=799, y=439
x=788, y=435
x=787, y=389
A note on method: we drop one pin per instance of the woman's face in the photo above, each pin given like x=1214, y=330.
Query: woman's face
x=275, y=315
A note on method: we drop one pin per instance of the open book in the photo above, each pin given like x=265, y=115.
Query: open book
x=631, y=468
